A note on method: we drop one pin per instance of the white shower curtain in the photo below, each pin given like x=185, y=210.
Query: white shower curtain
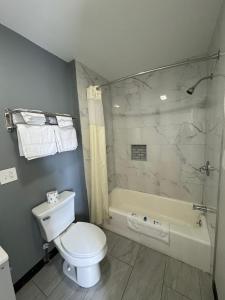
x=99, y=183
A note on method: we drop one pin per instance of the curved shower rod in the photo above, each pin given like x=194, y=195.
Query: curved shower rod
x=174, y=65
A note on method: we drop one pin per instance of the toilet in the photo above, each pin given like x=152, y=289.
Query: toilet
x=82, y=245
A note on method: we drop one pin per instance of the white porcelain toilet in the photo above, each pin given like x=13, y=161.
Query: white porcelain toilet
x=82, y=245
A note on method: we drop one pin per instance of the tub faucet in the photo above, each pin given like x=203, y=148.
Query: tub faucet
x=204, y=208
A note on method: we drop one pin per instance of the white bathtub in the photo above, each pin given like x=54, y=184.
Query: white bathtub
x=189, y=242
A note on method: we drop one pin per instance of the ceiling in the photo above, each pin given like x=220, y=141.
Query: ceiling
x=115, y=37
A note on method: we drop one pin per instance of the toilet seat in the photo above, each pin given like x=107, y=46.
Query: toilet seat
x=83, y=240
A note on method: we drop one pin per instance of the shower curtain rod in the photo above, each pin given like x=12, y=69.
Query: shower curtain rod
x=181, y=63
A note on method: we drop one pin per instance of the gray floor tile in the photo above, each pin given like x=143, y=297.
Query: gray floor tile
x=169, y=294
x=114, y=278
x=111, y=239
x=50, y=275
x=125, y=250
x=206, y=286
x=183, y=278
x=30, y=292
x=67, y=290
x=146, y=279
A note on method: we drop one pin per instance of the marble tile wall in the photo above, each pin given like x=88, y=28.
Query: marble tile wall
x=85, y=78
x=173, y=130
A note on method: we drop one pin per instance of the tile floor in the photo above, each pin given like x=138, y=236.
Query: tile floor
x=129, y=272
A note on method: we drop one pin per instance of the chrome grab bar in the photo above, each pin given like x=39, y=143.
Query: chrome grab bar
x=204, y=208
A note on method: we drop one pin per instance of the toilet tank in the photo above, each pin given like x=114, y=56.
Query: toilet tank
x=54, y=218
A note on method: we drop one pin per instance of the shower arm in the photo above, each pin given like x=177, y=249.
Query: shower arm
x=203, y=78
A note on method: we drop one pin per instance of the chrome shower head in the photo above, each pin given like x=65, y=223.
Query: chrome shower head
x=191, y=90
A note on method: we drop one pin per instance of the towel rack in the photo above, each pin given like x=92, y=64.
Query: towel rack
x=8, y=114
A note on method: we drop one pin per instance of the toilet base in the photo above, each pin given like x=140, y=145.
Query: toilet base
x=84, y=276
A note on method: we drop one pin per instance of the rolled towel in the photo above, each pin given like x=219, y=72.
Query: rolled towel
x=66, y=138
x=36, y=141
x=64, y=121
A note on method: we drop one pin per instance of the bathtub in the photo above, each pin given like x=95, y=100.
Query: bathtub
x=189, y=242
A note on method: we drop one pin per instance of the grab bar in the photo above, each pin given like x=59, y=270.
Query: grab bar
x=204, y=208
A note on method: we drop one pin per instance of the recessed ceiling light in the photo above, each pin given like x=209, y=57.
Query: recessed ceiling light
x=163, y=97
x=116, y=106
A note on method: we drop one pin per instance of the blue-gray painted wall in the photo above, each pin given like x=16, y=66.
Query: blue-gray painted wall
x=30, y=77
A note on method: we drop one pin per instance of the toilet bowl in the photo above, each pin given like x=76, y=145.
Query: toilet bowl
x=83, y=246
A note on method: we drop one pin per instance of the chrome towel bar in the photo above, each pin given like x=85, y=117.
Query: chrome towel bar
x=8, y=114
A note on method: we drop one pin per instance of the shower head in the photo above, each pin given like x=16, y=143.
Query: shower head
x=191, y=90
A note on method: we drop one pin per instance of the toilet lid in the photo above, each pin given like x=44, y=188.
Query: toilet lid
x=83, y=240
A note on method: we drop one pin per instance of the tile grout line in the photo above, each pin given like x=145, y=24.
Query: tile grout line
x=42, y=292
x=52, y=290
x=179, y=293
x=120, y=260
x=199, y=283
x=132, y=268
x=56, y=286
x=164, y=273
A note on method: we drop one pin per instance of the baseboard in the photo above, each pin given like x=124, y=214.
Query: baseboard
x=215, y=290
x=22, y=281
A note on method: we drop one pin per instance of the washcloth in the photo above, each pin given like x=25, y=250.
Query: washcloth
x=64, y=121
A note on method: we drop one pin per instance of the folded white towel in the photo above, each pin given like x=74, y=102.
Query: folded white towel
x=36, y=141
x=64, y=121
x=17, y=118
x=66, y=138
x=33, y=118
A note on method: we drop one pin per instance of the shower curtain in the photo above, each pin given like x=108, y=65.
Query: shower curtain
x=99, y=183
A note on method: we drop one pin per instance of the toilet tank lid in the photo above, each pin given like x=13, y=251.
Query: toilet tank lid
x=45, y=208
x=3, y=256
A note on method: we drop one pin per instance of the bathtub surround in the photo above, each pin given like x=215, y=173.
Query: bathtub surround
x=85, y=78
x=32, y=78
x=156, y=111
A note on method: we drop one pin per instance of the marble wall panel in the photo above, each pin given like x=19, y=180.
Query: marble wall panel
x=173, y=130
